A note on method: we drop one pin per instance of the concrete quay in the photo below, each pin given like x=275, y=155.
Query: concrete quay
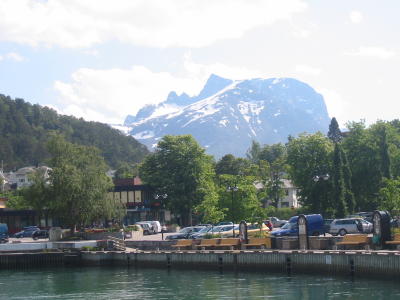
x=359, y=263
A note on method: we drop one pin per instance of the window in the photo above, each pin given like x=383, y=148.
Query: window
x=287, y=192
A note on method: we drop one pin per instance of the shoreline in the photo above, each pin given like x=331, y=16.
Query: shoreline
x=350, y=263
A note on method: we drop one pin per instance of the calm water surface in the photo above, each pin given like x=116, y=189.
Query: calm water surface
x=123, y=283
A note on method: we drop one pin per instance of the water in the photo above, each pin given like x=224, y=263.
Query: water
x=123, y=283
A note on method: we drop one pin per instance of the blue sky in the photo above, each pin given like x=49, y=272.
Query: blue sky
x=102, y=59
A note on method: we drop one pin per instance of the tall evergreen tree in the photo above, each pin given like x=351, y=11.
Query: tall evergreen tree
x=253, y=152
x=338, y=183
x=384, y=153
x=334, y=133
x=349, y=196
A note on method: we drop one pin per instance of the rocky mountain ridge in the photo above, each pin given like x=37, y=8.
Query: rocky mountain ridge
x=228, y=114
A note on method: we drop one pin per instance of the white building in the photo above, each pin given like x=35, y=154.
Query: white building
x=290, y=195
x=22, y=177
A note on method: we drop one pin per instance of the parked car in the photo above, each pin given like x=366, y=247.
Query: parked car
x=184, y=233
x=147, y=229
x=276, y=222
x=204, y=230
x=327, y=225
x=315, y=226
x=26, y=232
x=152, y=227
x=3, y=233
x=350, y=225
x=223, y=230
x=224, y=223
x=40, y=234
x=366, y=215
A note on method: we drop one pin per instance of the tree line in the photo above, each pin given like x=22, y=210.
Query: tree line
x=336, y=174
x=25, y=130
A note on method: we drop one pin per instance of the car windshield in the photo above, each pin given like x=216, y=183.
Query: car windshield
x=227, y=228
x=186, y=230
x=217, y=229
x=197, y=229
x=205, y=229
x=289, y=225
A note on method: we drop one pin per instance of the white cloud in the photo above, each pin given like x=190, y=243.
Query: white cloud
x=307, y=70
x=14, y=56
x=203, y=71
x=109, y=95
x=166, y=23
x=356, y=17
x=375, y=52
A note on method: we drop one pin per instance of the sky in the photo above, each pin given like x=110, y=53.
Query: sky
x=105, y=59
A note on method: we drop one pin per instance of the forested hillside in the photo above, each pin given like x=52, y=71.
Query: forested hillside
x=25, y=129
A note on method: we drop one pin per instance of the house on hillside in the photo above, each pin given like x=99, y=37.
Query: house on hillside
x=22, y=177
x=4, y=185
x=139, y=200
x=289, y=199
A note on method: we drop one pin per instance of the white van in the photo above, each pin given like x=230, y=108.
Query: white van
x=155, y=225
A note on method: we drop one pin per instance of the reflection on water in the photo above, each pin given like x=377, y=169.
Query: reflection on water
x=123, y=283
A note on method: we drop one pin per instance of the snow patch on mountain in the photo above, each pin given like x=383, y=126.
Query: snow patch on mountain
x=227, y=115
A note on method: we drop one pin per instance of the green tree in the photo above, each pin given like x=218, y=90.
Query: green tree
x=384, y=153
x=15, y=200
x=126, y=170
x=338, y=183
x=241, y=203
x=273, y=153
x=180, y=168
x=365, y=164
x=37, y=195
x=349, y=196
x=390, y=195
x=307, y=156
x=334, y=133
x=253, y=153
x=78, y=186
x=229, y=164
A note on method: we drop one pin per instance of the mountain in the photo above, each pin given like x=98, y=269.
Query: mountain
x=227, y=115
x=25, y=130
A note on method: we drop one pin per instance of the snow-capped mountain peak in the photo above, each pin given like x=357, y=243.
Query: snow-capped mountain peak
x=227, y=115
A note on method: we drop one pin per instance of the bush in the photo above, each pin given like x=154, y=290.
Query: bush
x=132, y=228
x=260, y=234
x=212, y=236
x=113, y=229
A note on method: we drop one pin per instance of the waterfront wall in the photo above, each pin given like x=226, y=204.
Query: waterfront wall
x=347, y=263
x=378, y=264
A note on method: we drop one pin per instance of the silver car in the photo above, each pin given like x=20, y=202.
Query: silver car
x=350, y=225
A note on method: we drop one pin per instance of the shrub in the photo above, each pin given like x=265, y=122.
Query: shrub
x=260, y=234
x=212, y=236
x=132, y=228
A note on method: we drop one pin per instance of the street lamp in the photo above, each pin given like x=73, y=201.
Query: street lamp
x=232, y=189
x=323, y=177
x=317, y=178
x=161, y=197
